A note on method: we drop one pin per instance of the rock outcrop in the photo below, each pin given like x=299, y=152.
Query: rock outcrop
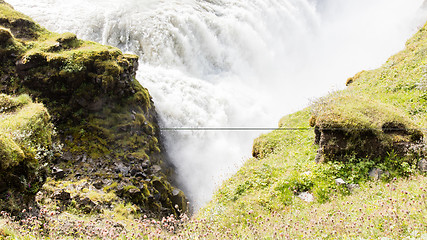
x=105, y=119
x=354, y=127
x=348, y=125
x=25, y=145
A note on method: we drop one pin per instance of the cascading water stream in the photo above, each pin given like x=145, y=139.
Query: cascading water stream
x=222, y=63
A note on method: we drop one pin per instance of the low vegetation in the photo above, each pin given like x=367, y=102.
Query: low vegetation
x=379, y=210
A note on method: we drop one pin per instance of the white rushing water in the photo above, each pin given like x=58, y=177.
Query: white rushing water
x=234, y=63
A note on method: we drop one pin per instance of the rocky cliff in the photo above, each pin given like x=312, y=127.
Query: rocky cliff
x=105, y=120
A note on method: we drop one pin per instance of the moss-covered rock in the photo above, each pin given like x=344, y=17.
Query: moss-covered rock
x=20, y=25
x=348, y=125
x=25, y=145
x=105, y=119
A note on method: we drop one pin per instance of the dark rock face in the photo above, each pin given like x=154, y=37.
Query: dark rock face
x=339, y=143
x=5, y=37
x=105, y=119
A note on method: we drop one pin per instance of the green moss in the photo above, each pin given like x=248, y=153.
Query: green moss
x=125, y=211
x=21, y=25
x=25, y=143
x=68, y=40
x=8, y=103
x=352, y=124
x=101, y=111
x=10, y=153
x=111, y=186
x=29, y=126
x=343, y=110
x=7, y=12
x=101, y=197
x=74, y=58
x=145, y=191
x=129, y=187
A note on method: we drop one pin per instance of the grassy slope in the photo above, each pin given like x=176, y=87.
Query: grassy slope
x=262, y=186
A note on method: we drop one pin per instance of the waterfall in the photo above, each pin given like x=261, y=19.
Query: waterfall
x=240, y=63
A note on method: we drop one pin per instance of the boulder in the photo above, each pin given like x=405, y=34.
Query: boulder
x=377, y=174
x=98, y=184
x=340, y=181
x=62, y=195
x=306, y=196
x=353, y=186
x=179, y=201
x=87, y=206
x=155, y=169
x=5, y=36
x=346, y=126
x=58, y=173
x=422, y=165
